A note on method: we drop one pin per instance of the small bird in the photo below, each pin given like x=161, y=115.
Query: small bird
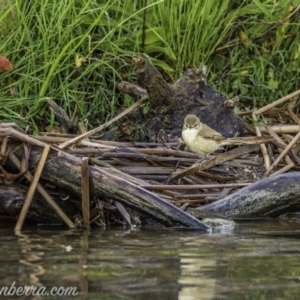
x=204, y=140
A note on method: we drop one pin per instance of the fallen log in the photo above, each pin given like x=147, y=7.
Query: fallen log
x=269, y=197
x=64, y=171
x=12, y=197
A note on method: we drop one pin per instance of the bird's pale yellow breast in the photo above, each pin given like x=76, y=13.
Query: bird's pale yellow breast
x=199, y=137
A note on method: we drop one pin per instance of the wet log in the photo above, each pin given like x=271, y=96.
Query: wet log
x=168, y=105
x=269, y=197
x=12, y=197
x=65, y=172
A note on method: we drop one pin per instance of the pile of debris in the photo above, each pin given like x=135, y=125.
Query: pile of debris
x=87, y=179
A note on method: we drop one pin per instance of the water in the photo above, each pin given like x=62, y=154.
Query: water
x=252, y=261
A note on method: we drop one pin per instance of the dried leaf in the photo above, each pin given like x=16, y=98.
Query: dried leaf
x=5, y=64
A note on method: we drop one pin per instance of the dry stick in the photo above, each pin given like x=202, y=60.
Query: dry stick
x=52, y=139
x=287, y=158
x=263, y=147
x=43, y=193
x=293, y=151
x=195, y=196
x=145, y=157
x=277, y=102
x=282, y=154
x=288, y=137
x=165, y=151
x=3, y=148
x=292, y=114
x=97, y=145
x=81, y=128
x=283, y=170
x=25, y=158
x=49, y=139
x=224, y=193
x=6, y=131
x=281, y=141
x=297, y=149
x=192, y=201
x=9, y=176
x=215, y=161
x=103, y=126
x=297, y=120
x=160, y=187
x=283, y=144
x=85, y=179
x=57, y=134
x=11, y=125
x=281, y=128
x=23, y=137
x=263, y=109
x=32, y=188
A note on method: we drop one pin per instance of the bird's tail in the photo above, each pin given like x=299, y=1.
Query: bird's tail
x=250, y=140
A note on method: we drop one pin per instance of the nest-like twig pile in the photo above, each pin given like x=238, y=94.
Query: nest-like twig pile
x=175, y=175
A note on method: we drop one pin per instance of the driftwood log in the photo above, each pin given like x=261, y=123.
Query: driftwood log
x=65, y=172
x=168, y=105
x=269, y=197
x=12, y=198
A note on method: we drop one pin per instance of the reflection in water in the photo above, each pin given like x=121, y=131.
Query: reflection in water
x=246, y=262
x=83, y=261
x=31, y=260
x=193, y=280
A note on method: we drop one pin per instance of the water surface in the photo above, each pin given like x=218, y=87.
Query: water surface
x=252, y=261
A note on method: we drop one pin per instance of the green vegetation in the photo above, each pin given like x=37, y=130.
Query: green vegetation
x=77, y=51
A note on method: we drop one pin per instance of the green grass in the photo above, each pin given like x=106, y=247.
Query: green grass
x=261, y=66
x=76, y=52
x=43, y=48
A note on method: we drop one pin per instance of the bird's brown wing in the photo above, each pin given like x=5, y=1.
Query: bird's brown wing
x=209, y=133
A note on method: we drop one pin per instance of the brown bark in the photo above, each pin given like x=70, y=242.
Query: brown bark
x=12, y=197
x=169, y=104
